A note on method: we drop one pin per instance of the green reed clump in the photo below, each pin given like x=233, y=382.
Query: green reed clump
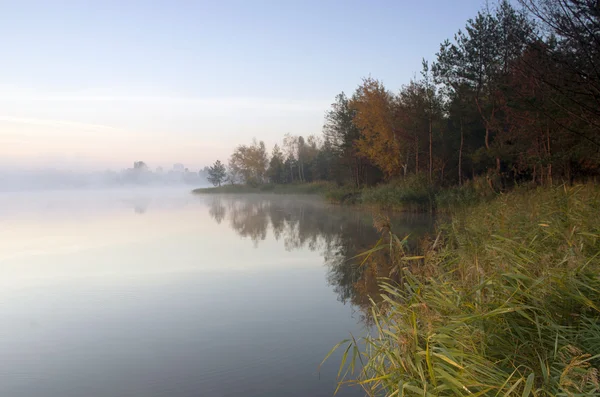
x=413, y=193
x=505, y=301
x=469, y=194
x=343, y=195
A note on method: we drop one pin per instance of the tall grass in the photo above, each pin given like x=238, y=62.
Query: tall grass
x=504, y=302
x=413, y=193
x=469, y=194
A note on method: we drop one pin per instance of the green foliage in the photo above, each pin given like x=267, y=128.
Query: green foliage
x=276, y=171
x=504, y=302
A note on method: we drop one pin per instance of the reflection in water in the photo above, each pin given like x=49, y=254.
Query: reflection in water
x=98, y=300
x=339, y=233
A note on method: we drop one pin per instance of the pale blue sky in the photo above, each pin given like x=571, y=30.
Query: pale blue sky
x=103, y=83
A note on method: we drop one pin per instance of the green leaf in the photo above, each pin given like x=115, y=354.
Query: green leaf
x=528, y=385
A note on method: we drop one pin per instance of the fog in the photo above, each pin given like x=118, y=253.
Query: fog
x=49, y=179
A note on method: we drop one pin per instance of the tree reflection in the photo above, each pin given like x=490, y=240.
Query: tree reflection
x=339, y=233
x=217, y=211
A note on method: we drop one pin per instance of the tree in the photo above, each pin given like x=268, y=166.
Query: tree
x=432, y=109
x=250, y=162
x=575, y=26
x=140, y=166
x=217, y=173
x=233, y=173
x=290, y=145
x=300, y=155
x=379, y=139
x=566, y=63
x=340, y=134
x=480, y=57
x=276, y=172
x=323, y=165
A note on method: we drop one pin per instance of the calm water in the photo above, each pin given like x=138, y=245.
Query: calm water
x=161, y=293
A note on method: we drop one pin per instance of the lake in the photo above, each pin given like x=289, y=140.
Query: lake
x=157, y=292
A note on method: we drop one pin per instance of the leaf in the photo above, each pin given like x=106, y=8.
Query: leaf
x=528, y=385
x=412, y=258
x=448, y=360
x=334, y=348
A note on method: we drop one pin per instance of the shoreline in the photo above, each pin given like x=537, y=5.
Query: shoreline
x=396, y=196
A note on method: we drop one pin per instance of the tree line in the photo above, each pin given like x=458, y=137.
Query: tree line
x=514, y=96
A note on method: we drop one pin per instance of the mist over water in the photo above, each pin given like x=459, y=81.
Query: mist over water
x=153, y=291
x=53, y=179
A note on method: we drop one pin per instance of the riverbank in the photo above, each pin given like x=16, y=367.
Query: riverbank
x=504, y=301
x=410, y=194
x=292, y=188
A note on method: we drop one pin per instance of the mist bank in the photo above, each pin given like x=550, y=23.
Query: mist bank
x=49, y=179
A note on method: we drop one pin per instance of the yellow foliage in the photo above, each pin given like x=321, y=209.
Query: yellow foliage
x=375, y=117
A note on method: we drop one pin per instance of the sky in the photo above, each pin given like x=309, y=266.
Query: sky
x=99, y=84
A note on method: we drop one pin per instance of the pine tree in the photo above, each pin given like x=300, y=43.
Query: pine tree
x=217, y=173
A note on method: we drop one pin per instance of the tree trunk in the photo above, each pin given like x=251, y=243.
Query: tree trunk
x=443, y=169
x=549, y=151
x=416, y=155
x=460, y=152
x=487, y=138
x=430, y=151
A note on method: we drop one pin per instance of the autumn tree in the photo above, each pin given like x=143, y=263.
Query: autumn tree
x=514, y=97
x=250, y=162
x=379, y=138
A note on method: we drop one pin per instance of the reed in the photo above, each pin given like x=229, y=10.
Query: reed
x=505, y=301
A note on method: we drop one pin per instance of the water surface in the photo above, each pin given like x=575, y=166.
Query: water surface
x=155, y=292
